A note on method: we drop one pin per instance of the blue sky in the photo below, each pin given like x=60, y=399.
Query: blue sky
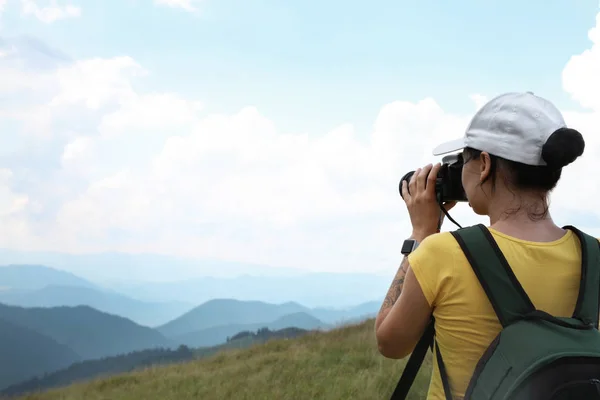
x=310, y=64
x=265, y=131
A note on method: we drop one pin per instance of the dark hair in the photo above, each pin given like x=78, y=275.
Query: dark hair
x=563, y=147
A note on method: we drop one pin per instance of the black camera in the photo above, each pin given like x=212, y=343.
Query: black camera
x=448, y=184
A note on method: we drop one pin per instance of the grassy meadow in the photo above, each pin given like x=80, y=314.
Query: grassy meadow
x=340, y=364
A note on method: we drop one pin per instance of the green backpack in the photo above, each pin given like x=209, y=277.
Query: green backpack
x=536, y=356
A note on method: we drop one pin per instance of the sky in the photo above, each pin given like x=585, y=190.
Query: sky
x=266, y=131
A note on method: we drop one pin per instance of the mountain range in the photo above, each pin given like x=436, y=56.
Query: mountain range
x=27, y=353
x=154, y=304
x=212, y=322
x=40, y=286
x=109, y=267
x=63, y=319
x=36, y=341
x=342, y=363
x=88, y=332
x=216, y=335
x=220, y=312
x=223, y=312
x=31, y=277
x=166, y=279
x=144, y=313
x=310, y=289
x=40, y=340
x=88, y=370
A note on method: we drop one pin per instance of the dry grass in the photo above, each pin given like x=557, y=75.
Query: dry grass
x=340, y=364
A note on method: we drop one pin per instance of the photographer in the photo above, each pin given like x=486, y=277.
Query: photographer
x=514, y=150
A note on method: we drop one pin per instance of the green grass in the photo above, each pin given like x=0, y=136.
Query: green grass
x=339, y=364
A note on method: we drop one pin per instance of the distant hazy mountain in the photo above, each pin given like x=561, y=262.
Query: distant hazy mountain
x=300, y=320
x=144, y=313
x=32, y=277
x=348, y=314
x=89, y=332
x=158, y=278
x=311, y=290
x=219, y=334
x=124, y=267
x=220, y=312
x=40, y=286
x=25, y=353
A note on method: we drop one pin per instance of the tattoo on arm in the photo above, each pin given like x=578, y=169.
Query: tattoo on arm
x=396, y=286
x=394, y=291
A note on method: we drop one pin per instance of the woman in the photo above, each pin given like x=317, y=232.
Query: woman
x=514, y=150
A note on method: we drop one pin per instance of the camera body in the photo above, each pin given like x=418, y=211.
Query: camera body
x=448, y=183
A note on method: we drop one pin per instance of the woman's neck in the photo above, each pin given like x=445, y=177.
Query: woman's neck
x=519, y=217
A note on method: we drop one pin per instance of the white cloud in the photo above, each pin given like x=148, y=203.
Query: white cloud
x=188, y=5
x=51, y=12
x=95, y=82
x=479, y=100
x=13, y=207
x=580, y=76
x=10, y=203
x=581, y=80
x=77, y=149
x=154, y=172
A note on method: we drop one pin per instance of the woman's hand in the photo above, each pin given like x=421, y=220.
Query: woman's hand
x=421, y=202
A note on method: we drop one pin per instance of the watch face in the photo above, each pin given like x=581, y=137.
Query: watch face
x=407, y=246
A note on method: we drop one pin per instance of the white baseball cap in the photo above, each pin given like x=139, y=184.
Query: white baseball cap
x=513, y=126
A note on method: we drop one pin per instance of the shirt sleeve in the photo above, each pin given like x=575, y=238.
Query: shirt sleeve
x=433, y=265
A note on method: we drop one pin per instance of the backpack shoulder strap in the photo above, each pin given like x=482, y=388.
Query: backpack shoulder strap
x=587, y=307
x=505, y=293
x=414, y=363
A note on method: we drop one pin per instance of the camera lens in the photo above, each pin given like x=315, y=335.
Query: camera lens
x=406, y=178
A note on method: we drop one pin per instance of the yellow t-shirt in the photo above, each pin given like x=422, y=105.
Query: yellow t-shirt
x=465, y=320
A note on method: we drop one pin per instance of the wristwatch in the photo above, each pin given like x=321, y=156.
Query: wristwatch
x=409, y=246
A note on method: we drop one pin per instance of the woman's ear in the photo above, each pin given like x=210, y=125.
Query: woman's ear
x=485, y=163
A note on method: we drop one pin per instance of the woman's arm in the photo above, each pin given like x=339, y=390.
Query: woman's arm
x=393, y=293
x=403, y=316
x=406, y=312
